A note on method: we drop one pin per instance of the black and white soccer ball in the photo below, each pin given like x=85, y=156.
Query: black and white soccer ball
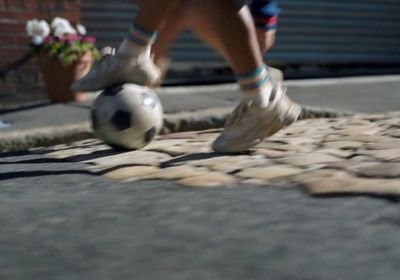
x=127, y=116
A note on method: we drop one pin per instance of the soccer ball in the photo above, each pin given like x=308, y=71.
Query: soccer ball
x=127, y=116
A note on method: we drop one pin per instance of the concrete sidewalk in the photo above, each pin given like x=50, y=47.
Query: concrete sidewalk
x=200, y=107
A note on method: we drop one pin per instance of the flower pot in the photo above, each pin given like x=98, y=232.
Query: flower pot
x=58, y=78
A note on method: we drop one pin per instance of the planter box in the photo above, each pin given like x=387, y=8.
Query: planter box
x=58, y=78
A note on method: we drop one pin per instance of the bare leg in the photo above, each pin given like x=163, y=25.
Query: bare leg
x=196, y=16
x=151, y=17
x=177, y=21
x=153, y=13
x=231, y=31
x=265, y=39
x=221, y=24
x=168, y=34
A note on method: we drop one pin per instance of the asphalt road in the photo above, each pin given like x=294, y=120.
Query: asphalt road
x=59, y=222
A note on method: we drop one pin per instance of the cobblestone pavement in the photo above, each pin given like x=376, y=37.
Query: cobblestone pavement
x=359, y=154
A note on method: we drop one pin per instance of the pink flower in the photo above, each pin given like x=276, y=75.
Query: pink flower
x=70, y=38
x=89, y=39
x=49, y=39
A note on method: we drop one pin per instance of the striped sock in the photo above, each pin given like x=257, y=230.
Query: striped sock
x=255, y=86
x=137, y=40
x=140, y=37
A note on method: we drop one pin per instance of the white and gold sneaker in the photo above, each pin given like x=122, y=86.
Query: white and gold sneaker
x=117, y=69
x=249, y=124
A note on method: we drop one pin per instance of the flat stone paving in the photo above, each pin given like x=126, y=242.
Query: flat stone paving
x=351, y=155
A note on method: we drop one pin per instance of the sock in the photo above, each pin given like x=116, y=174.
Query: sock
x=138, y=41
x=256, y=86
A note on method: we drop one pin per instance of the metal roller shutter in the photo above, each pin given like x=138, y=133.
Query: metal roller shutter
x=310, y=32
x=340, y=31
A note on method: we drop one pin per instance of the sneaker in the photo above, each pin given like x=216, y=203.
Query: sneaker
x=248, y=124
x=117, y=69
x=275, y=75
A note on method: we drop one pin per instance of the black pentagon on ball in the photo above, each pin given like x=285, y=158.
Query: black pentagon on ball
x=95, y=123
x=149, y=135
x=122, y=120
x=113, y=90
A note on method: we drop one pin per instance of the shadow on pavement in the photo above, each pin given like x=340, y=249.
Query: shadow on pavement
x=196, y=156
x=33, y=161
x=30, y=174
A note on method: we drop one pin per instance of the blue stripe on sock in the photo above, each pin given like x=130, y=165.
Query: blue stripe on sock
x=255, y=85
x=252, y=74
x=136, y=40
x=143, y=32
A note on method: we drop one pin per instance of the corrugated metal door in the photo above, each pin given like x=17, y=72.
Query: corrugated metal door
x=310, y=32
x=340, y=31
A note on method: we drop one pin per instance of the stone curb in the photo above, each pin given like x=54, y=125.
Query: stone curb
x=46, y=136
x=179, y=122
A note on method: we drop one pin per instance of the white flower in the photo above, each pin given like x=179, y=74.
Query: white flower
x=59, y=21
x=61, y=26
x=81, y=29
x=38, y=30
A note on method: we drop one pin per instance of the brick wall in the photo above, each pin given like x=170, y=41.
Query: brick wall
x=24, y=84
